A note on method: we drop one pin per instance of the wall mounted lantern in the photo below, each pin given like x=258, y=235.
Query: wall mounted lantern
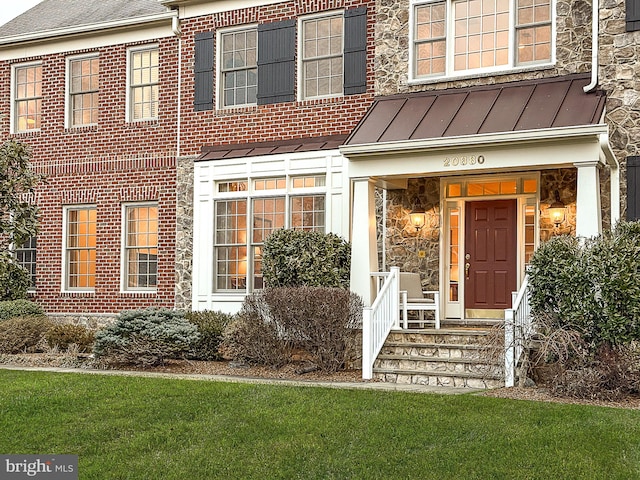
x=557, y=211
x=417, y=216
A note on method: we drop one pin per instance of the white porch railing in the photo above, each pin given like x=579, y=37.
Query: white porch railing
x=518, y=329
x=379, y=319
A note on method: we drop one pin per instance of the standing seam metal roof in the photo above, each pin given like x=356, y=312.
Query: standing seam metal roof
x=509, y=107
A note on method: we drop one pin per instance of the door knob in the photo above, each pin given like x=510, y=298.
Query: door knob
x=466, y=269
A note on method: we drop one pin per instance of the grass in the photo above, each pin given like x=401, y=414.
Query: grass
x=149, y=428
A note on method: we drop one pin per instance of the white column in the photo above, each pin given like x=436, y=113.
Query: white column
x=588, y=210
x=364, y=249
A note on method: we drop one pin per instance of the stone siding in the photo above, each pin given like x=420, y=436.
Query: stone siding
x=184, y=233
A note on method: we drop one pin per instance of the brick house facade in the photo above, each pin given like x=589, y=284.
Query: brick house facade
x=103, y=161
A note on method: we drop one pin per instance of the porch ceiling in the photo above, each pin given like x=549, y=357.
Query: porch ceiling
x=558, y=102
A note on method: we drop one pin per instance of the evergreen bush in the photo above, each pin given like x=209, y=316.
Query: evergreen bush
x=295, y=258
x=211, y=326
x=146, y=337
x=14, y=279
x=19, y=308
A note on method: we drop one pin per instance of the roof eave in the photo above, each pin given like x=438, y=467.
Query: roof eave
x=442, y=143
x=86, y=29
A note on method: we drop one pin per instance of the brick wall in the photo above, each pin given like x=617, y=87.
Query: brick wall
x=268, y=122
x=106, y=165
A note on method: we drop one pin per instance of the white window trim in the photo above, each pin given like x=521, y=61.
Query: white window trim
x=12, y=109
x=128, y=101
x=286, y=193
x=68, y=124
x=65, y=218
x=480, y=72
x=218, y=60
x=123, y=250
x=300, y=61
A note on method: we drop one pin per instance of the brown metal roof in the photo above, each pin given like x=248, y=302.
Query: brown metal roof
x=508, y=107
x=219, y=152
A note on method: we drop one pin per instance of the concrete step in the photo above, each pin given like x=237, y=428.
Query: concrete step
x=438, y=378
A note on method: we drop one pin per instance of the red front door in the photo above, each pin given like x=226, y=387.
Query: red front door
x=490, y=256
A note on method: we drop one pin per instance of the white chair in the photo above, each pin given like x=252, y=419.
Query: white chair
x=412, y=297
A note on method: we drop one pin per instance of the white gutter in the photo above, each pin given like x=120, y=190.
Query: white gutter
x=79, y=29
x=595, y=28
x=542, y=134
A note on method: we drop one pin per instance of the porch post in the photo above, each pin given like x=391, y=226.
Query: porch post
x=364, y=248
x=588, y=210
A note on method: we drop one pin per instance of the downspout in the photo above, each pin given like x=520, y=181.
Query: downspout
x=595, y=28
x=175, y=26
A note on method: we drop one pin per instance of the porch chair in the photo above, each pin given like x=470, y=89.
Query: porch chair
x=412, y=297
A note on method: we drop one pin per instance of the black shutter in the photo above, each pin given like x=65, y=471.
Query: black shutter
x=355, y=50
x=203, y=97
x=633, y=15
x=276, y=62
x=633, y=188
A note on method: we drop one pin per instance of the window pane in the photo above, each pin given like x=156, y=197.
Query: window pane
x=322, y=57
x=26, y=257
x=81, y=248
x=28, y=90
x=239, y=72
x=144, y=84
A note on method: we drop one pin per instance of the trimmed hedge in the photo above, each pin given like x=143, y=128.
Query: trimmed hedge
x=295, y=258
x=64, y=335
x=23, y=334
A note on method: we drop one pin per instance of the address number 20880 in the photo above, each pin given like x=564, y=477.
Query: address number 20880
x=463, y=161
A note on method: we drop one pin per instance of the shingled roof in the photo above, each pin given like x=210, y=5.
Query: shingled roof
x=54, y=15
x=509, y=107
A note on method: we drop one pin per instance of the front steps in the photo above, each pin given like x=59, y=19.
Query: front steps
x=451, y=356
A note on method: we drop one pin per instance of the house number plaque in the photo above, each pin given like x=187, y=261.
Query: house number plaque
x=463, y=161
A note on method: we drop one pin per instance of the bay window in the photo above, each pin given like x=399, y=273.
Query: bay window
x=248, y=211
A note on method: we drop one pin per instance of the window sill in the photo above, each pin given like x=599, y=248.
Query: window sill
x=138, y=293
x=26, y=133
x=472, y=76
x=77, y=293
x=81, y=129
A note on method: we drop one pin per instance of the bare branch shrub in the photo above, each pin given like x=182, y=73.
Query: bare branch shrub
x=278, y=321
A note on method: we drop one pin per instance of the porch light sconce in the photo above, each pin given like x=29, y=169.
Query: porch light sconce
x=417, y=217
x=557, y=211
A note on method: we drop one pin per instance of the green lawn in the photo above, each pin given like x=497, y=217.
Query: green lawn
x=144, y=428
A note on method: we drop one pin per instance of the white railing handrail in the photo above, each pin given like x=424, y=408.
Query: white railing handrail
x=379, y=319
x=518, y=328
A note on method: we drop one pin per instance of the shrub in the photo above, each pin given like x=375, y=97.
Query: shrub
x=62, y=336
x=146, y=337
x=19, y=308
x=211, y=326
x=277, y=321
x=590, y=286
x=294, y=258
x=14, y=279
x=23, y=334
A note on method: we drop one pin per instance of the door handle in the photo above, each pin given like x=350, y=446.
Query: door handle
x=466, y=269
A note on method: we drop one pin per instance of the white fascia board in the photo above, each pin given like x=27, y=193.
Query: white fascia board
x=86, y=41
x=199, y=8
x=446, y=143
x=89, y=29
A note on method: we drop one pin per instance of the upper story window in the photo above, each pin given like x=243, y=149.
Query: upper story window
x=83, y=91
x=462, y=37
x=239, y=67
x=143, y=84
x=322, y=56
x=27, y=97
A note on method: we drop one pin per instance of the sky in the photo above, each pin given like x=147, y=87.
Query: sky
x=12, y=8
